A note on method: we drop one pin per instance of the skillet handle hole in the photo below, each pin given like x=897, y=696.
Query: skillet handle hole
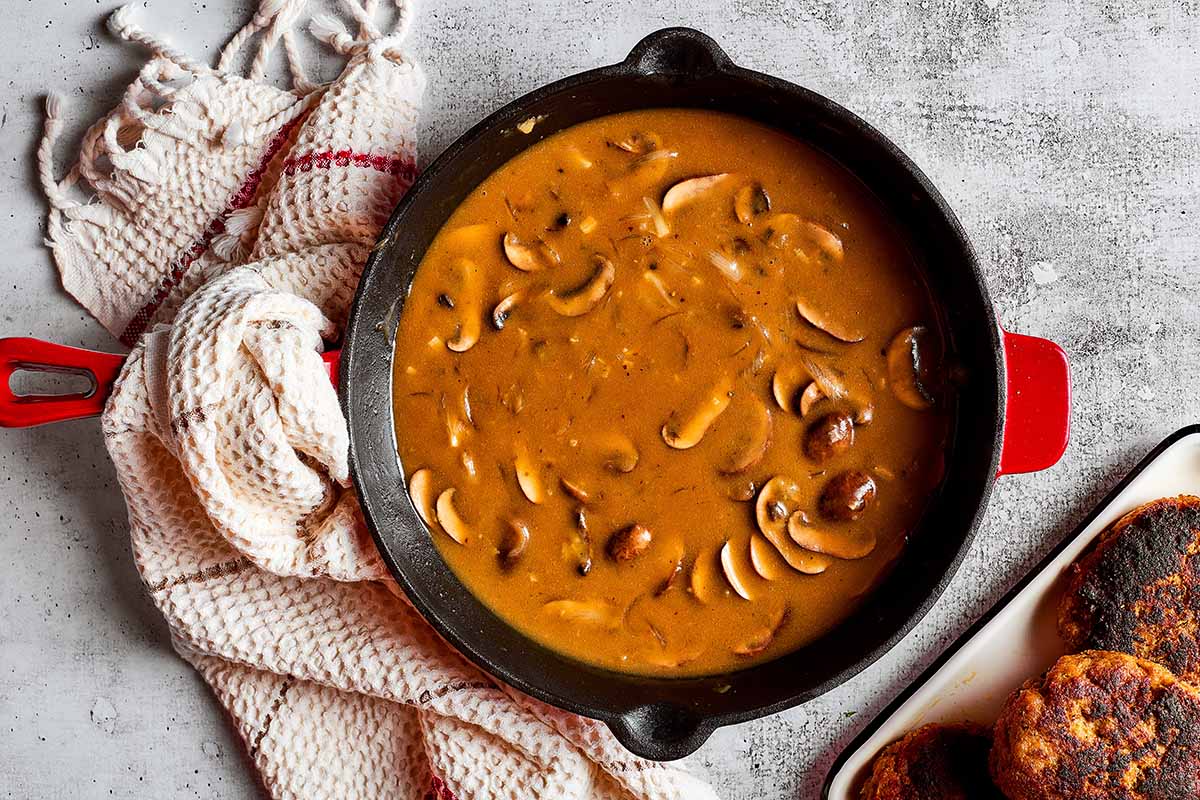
x=42, y=382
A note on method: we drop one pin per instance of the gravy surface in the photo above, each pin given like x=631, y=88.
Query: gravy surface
x=616, y=392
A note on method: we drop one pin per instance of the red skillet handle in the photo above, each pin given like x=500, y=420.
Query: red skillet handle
x=1037, y=424
x=25, y=411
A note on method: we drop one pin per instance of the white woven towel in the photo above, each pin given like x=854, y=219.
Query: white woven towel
x=228, y=224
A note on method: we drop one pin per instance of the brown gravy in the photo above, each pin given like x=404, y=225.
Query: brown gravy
x=688, y=424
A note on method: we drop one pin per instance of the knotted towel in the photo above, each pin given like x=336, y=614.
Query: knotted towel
x=223, y=241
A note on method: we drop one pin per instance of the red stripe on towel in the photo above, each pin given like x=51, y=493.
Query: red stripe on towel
x=439, y=791
x=242, y=198
x=400, y=166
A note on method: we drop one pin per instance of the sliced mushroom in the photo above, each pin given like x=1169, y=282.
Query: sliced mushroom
x=733, y=572
x=617, y=452
x=829, y=436
x=529, y=477
x=420, y=489
x=811, y=395
x=528, y=257
x=764, y=558
x=820, y=540
x=504, y=310
x=514, y=542
x=629, y=543
x=847, y=496
x=468, y=306
x=812, y=243
x=761, y=639
x=703, y=580
x=639, y=143
x=469, y=237
x=689, y=190
x=596, y=613
x=645, y=169
x=751, y=440
x=448, y=518
x=672, y=659
x=777, y=502
x=778, y=499
x=581, y=299
x=751, y=201
x=785, y=386
x=821, y=245
x=823, y=323
x=799, y=559
x=913, y=363
x=682, y=432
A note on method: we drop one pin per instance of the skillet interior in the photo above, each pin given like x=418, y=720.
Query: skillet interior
x=654, y=717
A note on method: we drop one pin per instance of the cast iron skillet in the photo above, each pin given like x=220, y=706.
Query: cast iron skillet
x=669, y=718
x=1012, y=415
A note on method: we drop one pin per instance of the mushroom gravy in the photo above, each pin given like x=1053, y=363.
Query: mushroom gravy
x=667, y=392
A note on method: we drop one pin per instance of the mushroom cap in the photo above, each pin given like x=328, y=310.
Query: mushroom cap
x=847, y=496
x=528, y=257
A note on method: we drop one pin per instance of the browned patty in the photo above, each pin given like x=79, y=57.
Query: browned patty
x=936, y=762
x=1100, y=726
x=1138, y=590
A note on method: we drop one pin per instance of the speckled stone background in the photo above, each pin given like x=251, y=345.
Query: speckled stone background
x=1065, y=133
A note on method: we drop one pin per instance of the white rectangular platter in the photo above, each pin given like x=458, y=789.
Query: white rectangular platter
x=1016, y=640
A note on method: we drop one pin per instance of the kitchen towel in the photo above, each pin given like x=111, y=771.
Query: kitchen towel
x=217, y=224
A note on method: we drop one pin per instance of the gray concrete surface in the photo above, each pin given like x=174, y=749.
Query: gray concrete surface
x=1065, y=134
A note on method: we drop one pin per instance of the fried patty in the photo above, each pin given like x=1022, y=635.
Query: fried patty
x=1100, y=726
x=1138, y=590
x=936, y=762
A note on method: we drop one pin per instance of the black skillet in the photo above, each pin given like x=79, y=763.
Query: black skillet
x=1012, y=416
x=669, y=718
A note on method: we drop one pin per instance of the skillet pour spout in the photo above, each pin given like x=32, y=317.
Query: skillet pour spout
x=682, y=52
x=661, y=731
x=668, y=718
